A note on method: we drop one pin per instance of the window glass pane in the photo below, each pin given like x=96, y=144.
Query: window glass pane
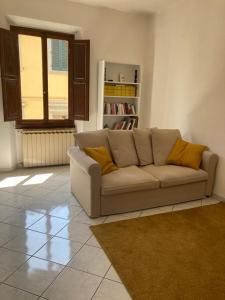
x=57, y=79
x=30, y=51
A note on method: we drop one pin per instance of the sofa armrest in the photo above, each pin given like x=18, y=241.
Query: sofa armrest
x=85, y=176
x=209, y=164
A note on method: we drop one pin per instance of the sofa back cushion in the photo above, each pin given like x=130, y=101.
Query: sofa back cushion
x=123, y=148
x=163, y=141
x=143, y=143
x=92, y=139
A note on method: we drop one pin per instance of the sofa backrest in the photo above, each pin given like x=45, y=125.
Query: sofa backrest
x=137, y=147
x=163, y=141
x=123, y=148
x=93, y=139
x=143, y=143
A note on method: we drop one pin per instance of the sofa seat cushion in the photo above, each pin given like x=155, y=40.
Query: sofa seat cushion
x=128, y=179
x=170, y=175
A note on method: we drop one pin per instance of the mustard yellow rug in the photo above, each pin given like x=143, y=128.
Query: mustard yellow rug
x=178, y=255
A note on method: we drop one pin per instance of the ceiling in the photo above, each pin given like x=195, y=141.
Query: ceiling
x=134, y=6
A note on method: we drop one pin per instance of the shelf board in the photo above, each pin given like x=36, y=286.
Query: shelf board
x=122, y=83
x=124, y=97
x=105, y=115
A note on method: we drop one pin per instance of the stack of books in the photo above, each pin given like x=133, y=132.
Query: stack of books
x=119, y=109
x=119, y=90
x=126, y=124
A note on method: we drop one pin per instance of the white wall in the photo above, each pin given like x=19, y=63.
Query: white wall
x=189, y=75
x=114, y=36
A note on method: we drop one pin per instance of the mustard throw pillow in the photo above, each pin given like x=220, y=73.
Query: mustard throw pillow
x=101, y=155
x=186, y=154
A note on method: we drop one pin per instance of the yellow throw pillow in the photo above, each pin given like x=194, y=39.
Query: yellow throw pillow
x=186, y=154
x=101, y=155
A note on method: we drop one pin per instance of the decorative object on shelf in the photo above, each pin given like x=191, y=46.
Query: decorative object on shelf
x=121, y=77
x=105, y=75
x=135, y=76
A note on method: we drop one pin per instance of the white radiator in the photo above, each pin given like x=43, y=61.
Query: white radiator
x=46, y=147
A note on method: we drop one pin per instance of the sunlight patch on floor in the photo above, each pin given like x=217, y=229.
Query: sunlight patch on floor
x=38, y=179
x=12, y=181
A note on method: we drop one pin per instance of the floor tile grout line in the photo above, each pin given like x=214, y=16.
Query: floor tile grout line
x=30, y=256
x=16, y=225
x=97, y=288
x=4, y=283
x=53, y=281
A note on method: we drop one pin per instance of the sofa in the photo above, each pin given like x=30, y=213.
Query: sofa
x=143, y=179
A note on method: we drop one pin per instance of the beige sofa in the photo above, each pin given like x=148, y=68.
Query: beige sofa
x=143, y=179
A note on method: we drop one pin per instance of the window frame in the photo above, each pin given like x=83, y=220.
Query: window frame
x=46, y=122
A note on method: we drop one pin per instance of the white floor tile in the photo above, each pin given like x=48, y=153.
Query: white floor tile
x=39, y=204
x=65, y=211
x=59, y=250
x=57, y=197
x=209, y=201
x=8, y=233
x=111, y=290
x=28, y=242
x=83, y=218
x=11, y=293
x=112, y=275
x=157, y=210
x=10, y=261
x=93, y=242
x=120, y=217
x=76, y=232
x=187, y=205
x=24, y=218
x=16, y=200
x=72, y=200
x=91, y=260
x=49, y=224
x=35, y=275
x=72, y=284
x=7, y=211
x=36, y=192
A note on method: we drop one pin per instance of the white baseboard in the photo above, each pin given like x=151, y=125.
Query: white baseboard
x=217, y=197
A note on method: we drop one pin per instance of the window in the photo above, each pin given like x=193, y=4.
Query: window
x=58, y=55
x=49, y=84
x=31, y=77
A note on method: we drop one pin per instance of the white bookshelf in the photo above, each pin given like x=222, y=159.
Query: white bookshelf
x=108, y=76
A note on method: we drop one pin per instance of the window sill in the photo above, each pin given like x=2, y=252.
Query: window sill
x=31, y=124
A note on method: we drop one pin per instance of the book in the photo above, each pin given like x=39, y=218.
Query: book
x=119, y=109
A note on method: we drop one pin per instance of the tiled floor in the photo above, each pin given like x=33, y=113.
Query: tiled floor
x=47, y=250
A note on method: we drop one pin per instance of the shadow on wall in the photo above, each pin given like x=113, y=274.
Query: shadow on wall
x=206, y=125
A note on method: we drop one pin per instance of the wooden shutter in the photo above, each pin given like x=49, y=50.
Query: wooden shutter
x=9, y=62
x=80, y=87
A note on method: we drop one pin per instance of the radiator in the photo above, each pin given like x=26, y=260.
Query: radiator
x=46, y=147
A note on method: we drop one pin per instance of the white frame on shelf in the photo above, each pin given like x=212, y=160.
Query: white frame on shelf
x=101, y=97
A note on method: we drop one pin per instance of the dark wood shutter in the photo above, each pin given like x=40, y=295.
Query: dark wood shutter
x=80, y=90
x=9, y=62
